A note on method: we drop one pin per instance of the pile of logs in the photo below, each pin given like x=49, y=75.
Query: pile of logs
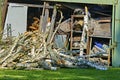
x=31, y=51
x=28, y=51
x=34, y=49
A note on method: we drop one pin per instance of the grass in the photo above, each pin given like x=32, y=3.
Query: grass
x=61, y=74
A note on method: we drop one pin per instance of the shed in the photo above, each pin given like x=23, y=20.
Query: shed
x=115, y=4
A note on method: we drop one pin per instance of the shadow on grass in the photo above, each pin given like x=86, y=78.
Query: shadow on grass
x=61, y=74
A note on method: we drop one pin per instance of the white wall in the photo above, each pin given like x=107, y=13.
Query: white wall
x=17, y=17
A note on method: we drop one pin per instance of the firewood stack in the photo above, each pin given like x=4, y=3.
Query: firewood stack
x=29, y=51
x=34, y=50
x=35, y=24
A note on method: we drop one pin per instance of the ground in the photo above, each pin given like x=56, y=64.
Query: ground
x=61, y=74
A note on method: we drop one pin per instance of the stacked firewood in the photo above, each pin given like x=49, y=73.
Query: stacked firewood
x=29, y=51
x=34, y=49
x=35, y=24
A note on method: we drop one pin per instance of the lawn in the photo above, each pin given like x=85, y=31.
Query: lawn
x=61, y=74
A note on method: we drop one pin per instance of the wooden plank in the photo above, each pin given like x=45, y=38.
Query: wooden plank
x=34, y=5
x=52, y=23
x=103, y=28
x=0, y=16
x=42, y=18
x=102, y=21
x=89, y=45
x=57, y=27
x=79, y=16
x=45, y=18
x=99, y=36
x=4, y=11
x=71, y=33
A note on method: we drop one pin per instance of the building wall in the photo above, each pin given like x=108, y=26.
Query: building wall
x=16, y=18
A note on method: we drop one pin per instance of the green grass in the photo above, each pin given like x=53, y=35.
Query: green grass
x=61, y=74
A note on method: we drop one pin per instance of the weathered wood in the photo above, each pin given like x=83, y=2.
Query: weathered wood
x=69, y=64
x=65, y=25
x=26, y=65
x=33, y=51
x=45, y=18
x=4, y=53
x=1, y=51
x=102, y=21
x=67, y=56
x=52, y=24
x=52, y=55
x=57, y=27
x=12, y=57
x=33, y=5
x=0, y=16
x=4, y=10
x=11, y=51
x=85, y=30
x=42, y=18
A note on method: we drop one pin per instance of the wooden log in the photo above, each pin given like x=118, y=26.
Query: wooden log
x=45, y=18
x=41, y=55
x=52, y=24
x=12, y=57
x=1, y=51
x=52, y=54
x=11, y=65
x=11, y=51
x=33, y=51
x=65, y=25
x=67, y=56
x=69, y=64
x=4, y=54
x=41, y=18
x=44, y=45
x=85, y=31
x=31, y=68
x=57, y=27
x=26, y=65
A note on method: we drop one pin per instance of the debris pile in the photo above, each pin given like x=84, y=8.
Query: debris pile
x=35, y=49
x=31, y=51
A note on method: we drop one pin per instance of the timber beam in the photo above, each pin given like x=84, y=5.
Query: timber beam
x=106, y=2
